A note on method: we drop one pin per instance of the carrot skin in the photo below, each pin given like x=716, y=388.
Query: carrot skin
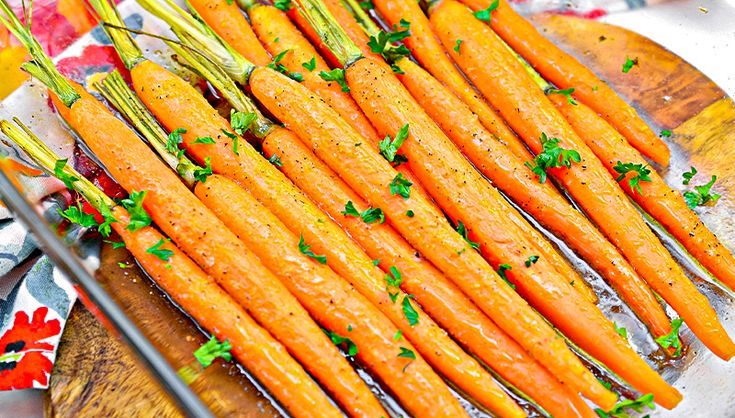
x=441, y=299
x=204, y=238
x=214, y=310
x=431, y=54
x=366, y=171
x=566, y=72
x=329, y=298
x=665, y=204
x=530, y=113
x=227, y=21
x=542, y=201
x=176, y=104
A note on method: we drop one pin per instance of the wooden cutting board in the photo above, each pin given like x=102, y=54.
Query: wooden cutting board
x=95, y=376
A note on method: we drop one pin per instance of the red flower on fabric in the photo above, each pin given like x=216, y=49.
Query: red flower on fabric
x=22, y=359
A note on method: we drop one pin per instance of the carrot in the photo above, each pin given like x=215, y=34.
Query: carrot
x=278, y=34
x=441, y=299
x=228, y=22
x=431, y=54
x=331, y=300
x=290, y=102
x=566, y=72
x=542, y=201
x=665, y=204
x=530, y=113
x=197, y=293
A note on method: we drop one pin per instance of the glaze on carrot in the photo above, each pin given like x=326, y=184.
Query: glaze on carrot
x=530, y=113
x=566, y=72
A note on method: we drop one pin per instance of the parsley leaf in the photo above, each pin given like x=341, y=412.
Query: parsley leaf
x=76, y=215
x=306, y=250
x=104, y=228
x=211, y=350
x=284, y=5
x=410, y=213
x=174, y=139
x=275, y=160
x=486, y=14
x=369, y=216
x=619, y=410
x=552, y=156
x=393, y=279
x=398, y=335
x=338, y=339
x=241, y=121
x=201, y=174
x=400, y=186
x=457, y=45
x=566, y=92
x=235, y=140
x=531, y=260
x=621, y=331
x=337, y=75
x=702, y=195
x=204, y=140
x=407, y=353
x=689, y=175
x=115, y=245
x=311, y=65
x=60, y=174
x=642, y=174
x=411, y=315
x=462, y=229
x=277, y=66
x=367, y=4
x=383, y=43
x=139, y=218
x=671, y=340
x=159, y=252
x=501, y=272
x=389, y=148
x=350, y=210
x=666, y=133
x=629, y=63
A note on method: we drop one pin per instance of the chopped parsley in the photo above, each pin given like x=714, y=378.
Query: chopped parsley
x=389, y=148
x=277, y=66
x=486, y=14
x=241, y=121
x=702, y=195
x=174, y=139
x=311, y=65
x=104, y=228
x=393, y=280
x=211, y=350
x=689, y=175
x=400, y=186
x=139, y=218
x=462, y=229
x=666, y=133
x=621, y=331
x=502, y=273
x=284, y=5
x=408, y=310
x=306, y=250
x=235, y=140
x=60, y=174
x=642, y=174
x=338, y=340
x=367, y=4
x=275, y=160
x=552, y=156
x=337, y=75
x=201, y=174
x=115, y=245
x=457, y=45
x=369, y=216
x=410, y=213
x=629, y=63
x=531, y=260
x=619, y=411
x=671, y=340
x=204, y=140
x=76, y=215
x=566, y=92
x=161, y=253
x=398, y=335
x=383, y=43
x=407, y=353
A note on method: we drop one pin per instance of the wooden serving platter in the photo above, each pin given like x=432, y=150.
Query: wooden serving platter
x=95, y=376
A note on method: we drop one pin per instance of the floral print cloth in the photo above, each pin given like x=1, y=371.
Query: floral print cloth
x=34, y=304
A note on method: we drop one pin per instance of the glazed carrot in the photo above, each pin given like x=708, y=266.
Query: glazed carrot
x=225, y=18
x=542, y=201
x=441, y=299
x=663, y=203
x=195, y=292
x=431, y=54
x=530, y=113
x=566, y=72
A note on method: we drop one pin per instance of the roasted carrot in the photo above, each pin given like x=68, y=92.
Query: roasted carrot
x=441, y=299
x=431, y=54
x=566, y=72
x=663, y=203
x=542, y=201
x=225, y=18
x=195, y=291
x=530, y=113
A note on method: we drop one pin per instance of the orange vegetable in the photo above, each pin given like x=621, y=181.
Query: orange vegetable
x=566, y=72
x=441, y=299
x=663, y=203
x=542, y=201
x=530, y=113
